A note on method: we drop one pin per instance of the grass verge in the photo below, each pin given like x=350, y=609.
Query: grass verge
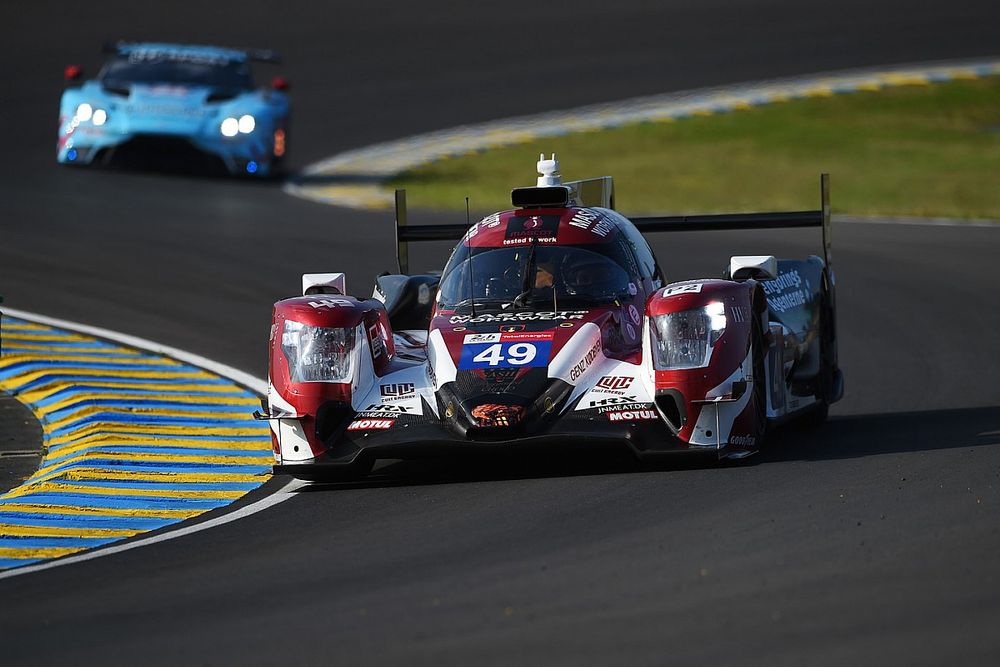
x=916, y=150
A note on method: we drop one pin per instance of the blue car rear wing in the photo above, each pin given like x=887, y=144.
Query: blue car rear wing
x=256, y=55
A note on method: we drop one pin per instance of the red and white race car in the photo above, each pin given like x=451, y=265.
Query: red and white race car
x=551, y=325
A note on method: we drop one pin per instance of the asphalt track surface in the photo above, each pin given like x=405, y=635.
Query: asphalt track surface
x=872, y=540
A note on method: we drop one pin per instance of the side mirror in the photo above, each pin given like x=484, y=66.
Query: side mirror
x=758, y=267
x=280, y=83
x=72, y=72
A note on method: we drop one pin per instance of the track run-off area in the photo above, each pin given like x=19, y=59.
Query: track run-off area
x=871, y=539
x=134, y=441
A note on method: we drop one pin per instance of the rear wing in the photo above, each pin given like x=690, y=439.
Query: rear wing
x=602, y=189
x=122, y=46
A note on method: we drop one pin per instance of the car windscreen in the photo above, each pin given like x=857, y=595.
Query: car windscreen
x=160, y=67
x=534, y=275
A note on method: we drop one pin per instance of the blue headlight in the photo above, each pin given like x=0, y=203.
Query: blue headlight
x=251, y=167
x=71, y=154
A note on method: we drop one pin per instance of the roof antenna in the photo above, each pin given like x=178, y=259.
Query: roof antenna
x=549, y=170
x=472, y=280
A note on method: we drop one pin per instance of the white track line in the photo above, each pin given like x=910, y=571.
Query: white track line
x=286, y=492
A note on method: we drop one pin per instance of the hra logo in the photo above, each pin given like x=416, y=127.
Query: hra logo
x=631, y=415
x=397, y=390
x=614, y=400
x=382, y=407
x=371, y=425
x=614, y=382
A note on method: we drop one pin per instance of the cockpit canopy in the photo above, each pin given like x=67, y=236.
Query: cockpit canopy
x=535, y=276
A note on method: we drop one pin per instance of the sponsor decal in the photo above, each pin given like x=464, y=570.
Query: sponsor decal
x=489, y=222
x=784, y=281
x=498, y=378
x=382, y=407
x=787, y=301
x=742, y=440
x=614, y=382
x=376, y=335
x=632, y=289
x=592, y=221
x=631, y=415
x=521, y=229
x=371, y=424
x=397, y=391
x=471, y=339
x=633, y=314
x=630, y=329
x=330, y=303
x=510, y=328
x=785, y=292
x=140, y=55
x=588, y=359
x=524, y=316
x=692, y=288
x=432, y=375
x=516, y=349
x=614, y=400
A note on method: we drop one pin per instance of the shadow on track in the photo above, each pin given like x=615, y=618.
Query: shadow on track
x=839, y=438
x=892, y=433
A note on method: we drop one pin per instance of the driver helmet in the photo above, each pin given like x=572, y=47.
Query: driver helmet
x=588, y=275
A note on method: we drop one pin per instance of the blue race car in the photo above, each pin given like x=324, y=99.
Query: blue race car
x=158, y=104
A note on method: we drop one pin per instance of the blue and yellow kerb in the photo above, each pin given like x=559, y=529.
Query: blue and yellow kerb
x=133, y=441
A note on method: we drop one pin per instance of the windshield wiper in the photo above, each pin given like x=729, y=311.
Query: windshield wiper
x=524, y=298
x=478, y=302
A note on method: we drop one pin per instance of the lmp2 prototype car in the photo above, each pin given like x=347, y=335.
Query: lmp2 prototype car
x=551, y=325
x=185, y=105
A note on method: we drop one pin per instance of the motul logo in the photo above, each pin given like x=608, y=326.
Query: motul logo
x=615, y=382
x=631, y=415
x=371, y=425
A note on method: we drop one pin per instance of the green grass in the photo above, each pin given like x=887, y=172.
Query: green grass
x=915, y=150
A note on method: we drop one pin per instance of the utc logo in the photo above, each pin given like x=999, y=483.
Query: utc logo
x=397, y=390
x=614, y=382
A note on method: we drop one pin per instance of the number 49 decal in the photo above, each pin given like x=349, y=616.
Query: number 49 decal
x=505, y=355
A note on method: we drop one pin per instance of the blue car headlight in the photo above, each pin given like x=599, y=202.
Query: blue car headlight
x=232, y=126
x=87, y=112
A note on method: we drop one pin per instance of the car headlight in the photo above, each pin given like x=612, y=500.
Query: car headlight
x=84, y=112
x=100, y=117
x=686, y=339
x=246, y=123
x=230, y=127
x=317, y=354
